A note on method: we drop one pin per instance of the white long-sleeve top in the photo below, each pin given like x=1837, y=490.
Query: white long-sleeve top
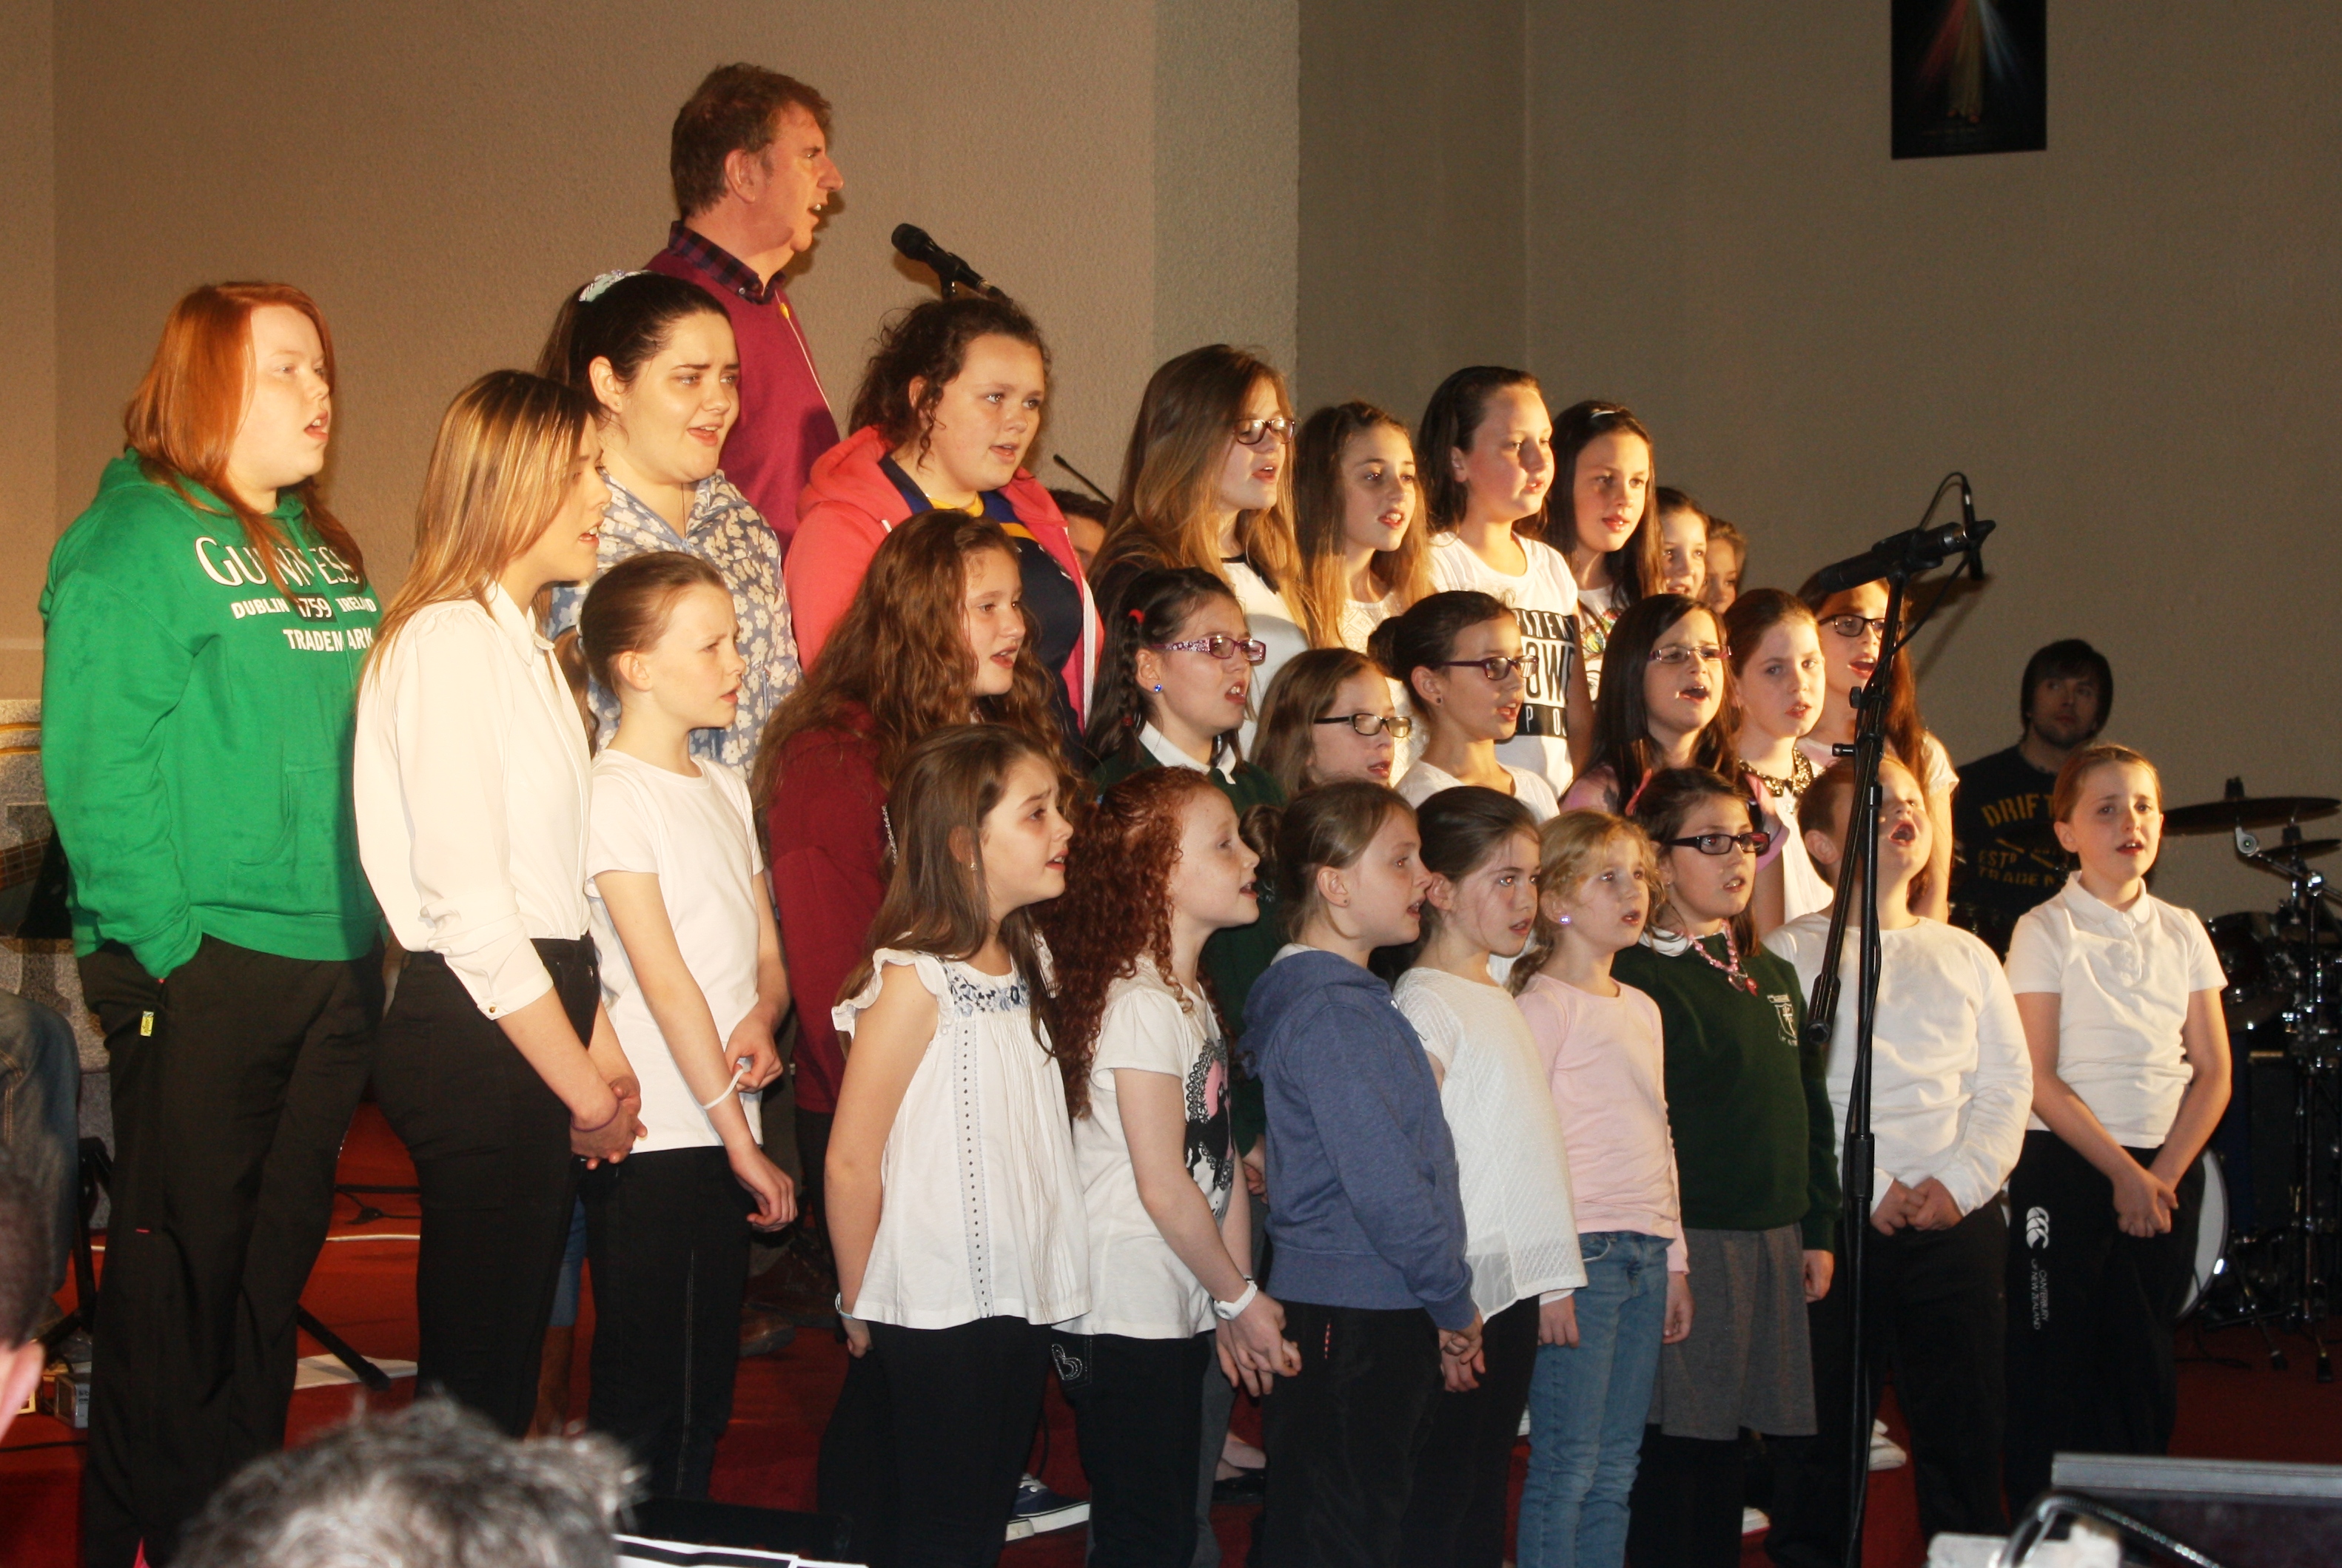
x=471, y=783
x=1952, y=1082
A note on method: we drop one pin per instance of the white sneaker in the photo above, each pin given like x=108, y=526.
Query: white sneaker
x=1752, y=1520
x=1038, y=1510
x=1886, y=1453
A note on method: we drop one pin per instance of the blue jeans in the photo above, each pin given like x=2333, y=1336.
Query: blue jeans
x=1587, y=1403
x=40, y=1098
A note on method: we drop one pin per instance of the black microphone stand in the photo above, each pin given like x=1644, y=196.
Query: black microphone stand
x=1857, y=1158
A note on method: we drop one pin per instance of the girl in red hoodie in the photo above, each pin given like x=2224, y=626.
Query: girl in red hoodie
x=827, y=759
x=949, y=404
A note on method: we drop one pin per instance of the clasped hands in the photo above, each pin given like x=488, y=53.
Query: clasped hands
x=1929, y=1206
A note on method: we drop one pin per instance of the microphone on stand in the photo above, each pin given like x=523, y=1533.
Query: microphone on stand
x=914, y=243
x=1913, y=550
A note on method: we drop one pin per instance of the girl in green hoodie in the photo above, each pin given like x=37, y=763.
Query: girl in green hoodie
x=206, y=620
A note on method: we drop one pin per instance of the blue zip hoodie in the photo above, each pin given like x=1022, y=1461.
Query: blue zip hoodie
x=1363, y=1205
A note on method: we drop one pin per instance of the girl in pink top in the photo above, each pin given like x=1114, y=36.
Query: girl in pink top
x=1601, y=1043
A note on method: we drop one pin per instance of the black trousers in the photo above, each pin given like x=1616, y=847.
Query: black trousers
x=1463, y=1480
x=1936, y=1316
x=1141, y=1427
x=1344, y=1436
x=928, y=1438
x=233, y=1086
x=491, y=1149
x=667, y=1233
x=2090, y=1314
x=1685, y=1510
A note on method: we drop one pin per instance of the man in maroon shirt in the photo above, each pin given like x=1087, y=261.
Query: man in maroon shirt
x=750, y=159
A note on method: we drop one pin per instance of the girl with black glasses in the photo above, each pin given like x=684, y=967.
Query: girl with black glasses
x=1459, y=656
x=1329, y=716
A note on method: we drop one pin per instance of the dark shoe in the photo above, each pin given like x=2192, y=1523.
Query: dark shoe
x=764, y=1331
x=1039, y=1510
x=1245, y=1486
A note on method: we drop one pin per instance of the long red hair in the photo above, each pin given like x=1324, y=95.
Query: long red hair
x=1115, y=910
x=183, y=419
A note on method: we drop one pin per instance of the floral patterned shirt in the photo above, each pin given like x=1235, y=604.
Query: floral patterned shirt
x=731, y=535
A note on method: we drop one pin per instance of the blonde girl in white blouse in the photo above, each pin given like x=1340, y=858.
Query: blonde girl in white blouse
x=1512, y=1165
x=2119, y=995
x=496, y=1061
x=955, y=1208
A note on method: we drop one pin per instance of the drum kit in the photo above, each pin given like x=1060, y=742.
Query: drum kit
x=2275, y=1262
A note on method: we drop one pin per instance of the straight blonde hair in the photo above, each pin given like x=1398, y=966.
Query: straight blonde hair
x=498, y=472
x=1567, y=847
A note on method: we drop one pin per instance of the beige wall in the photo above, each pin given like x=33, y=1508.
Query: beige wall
x=437, y=174
x=28, y=292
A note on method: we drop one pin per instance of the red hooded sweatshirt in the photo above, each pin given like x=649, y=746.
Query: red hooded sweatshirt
x=849, y=505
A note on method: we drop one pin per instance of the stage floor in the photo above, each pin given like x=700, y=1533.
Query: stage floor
x=364, y=1289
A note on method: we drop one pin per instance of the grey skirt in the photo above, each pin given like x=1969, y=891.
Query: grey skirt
x=1748, y=1361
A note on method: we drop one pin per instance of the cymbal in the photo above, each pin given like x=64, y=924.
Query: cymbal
x=2247, y=811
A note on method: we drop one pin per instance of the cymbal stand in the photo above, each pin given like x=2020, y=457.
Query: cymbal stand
x=2315, y=1046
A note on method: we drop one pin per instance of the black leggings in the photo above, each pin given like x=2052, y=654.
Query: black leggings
x=929, y=1435
x=668, y=1236
x=491, y=1149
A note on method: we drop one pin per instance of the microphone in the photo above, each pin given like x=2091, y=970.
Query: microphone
x=917, y=245
x=1975, y=532
x=1913, y=550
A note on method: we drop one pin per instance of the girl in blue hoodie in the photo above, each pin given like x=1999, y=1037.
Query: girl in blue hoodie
x=1365, y=1216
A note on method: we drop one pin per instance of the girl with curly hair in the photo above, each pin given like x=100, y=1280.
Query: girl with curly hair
x=893, y=675
x=1157, y=868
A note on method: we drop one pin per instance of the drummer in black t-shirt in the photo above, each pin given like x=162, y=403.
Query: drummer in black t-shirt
x=2007, y=859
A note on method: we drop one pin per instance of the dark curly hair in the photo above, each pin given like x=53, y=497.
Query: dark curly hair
x=1115, y=909
x=929, y=344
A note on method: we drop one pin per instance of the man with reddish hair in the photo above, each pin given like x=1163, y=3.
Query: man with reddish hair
x=750, y=160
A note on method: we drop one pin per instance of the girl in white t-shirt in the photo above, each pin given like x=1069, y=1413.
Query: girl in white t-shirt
x=1778, y=683
x=955, y=1208
x=1329, y=715
x=1852, y=625
x=693, y=982
x=2119, y=994
x=1602, y=520
x=1358, y=520
x=1459, y=655
x=1158, y=866
x=1512, y=1168
x=1488, y=471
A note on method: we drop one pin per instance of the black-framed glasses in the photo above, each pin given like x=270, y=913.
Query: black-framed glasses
x=1675, y=656
x=1372, y=724
x=1852, y=627
x=1253, y=432
x=1495, y=667
x=1218, y=646
x=1754, y=841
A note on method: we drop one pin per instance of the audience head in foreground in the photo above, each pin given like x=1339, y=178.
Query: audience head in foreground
x=430, y=1487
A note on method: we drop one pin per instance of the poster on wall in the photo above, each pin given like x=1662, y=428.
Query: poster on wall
x=1970, y=76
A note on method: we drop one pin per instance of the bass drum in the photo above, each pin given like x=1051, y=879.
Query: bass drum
x=2211, y=1235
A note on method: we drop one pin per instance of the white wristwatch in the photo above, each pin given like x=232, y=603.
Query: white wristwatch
x=1228, y=1311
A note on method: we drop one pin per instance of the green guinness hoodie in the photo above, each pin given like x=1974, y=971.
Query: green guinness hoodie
x=195, y=729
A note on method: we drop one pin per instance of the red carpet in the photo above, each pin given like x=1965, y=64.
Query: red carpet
x=364, y=1290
